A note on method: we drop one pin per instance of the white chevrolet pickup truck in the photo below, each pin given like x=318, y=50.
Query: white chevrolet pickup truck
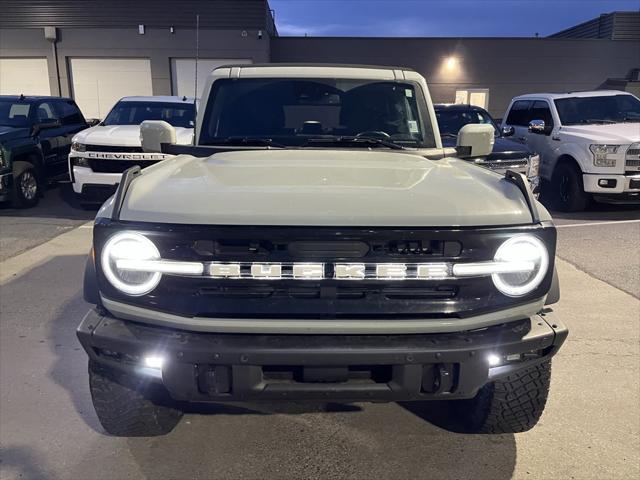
x=100, y=154
x=589, y=145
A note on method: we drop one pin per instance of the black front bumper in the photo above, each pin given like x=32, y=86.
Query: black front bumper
x=204, y=367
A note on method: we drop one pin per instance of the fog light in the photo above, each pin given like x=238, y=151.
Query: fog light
x=153, y=361
x=607, y=183
x=494, y=360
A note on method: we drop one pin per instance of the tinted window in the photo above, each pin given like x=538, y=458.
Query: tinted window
x=451, y=120
x=519, y=114
x=605, y=109
x=134, y=113
x=69, y=113
x=292, y=111
x=14, y=113
x=46, y=112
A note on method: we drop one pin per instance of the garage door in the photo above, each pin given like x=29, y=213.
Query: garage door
x=98, y=83
x=183, y=73
x=29, y=76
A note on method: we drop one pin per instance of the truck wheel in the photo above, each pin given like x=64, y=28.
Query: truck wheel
x=567, y=189
x=513, y=404
x=26, y=189
x=129, y=406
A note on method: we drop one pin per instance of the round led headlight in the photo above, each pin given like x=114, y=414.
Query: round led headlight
x=129, y=246
x=530, y=259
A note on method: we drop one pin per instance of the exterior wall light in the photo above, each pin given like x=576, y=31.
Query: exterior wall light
x=451, y=63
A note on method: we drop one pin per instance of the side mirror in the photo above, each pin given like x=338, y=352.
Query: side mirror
x=48, y=123
x=508, y=131
x=153, y=133
x=475, y=140
x=539, y=127
x=92, y=122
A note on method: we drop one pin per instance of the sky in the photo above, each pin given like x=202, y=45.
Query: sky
x=437, y=18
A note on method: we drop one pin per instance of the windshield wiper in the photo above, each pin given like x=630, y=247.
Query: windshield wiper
x=353, y=140
x=249, y=141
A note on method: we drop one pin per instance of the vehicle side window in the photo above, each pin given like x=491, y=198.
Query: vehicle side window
x=541, y=111
x=69, y=113
x=46, y=112
x=519, y=113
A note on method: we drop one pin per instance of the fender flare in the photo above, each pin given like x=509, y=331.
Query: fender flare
x=90, y=291
x=554, y=292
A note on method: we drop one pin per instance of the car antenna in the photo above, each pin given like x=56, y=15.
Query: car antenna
x=22, y=96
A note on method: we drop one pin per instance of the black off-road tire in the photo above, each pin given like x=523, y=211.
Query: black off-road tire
x=511, y=405
x=128, y=406
x=566, y=189
x=26, y=189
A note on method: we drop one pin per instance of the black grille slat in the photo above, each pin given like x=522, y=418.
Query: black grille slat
x=113, y=148
x=117, y=166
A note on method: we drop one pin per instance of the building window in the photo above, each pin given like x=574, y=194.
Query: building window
x=474, y=96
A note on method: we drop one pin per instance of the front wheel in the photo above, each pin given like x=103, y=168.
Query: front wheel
x=26, y=189
x=510, y=405
x=130, y=406
x=566, y=190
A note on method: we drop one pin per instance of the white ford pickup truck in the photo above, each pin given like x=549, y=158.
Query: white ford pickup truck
x=589, y=144
x=100, y=154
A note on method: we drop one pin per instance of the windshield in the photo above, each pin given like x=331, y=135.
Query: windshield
x=451, y=120
x=134, y=113
x=14, y=113
x=605, y=109
x=294, y=112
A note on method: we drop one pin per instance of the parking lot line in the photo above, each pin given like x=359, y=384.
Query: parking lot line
x=593, y=224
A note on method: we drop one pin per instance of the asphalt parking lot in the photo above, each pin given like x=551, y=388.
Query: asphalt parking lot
x=48, y=429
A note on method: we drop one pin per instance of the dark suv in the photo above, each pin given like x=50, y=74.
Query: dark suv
x=35, y=140
x=506, y=155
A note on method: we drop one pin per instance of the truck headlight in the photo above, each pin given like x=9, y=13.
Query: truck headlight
x=78, y=147
x=533, y=167
x=130, y=246
x=532, y=258
x=602, y=155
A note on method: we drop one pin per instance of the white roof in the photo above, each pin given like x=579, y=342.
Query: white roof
x=159, y=98
x=553, y=96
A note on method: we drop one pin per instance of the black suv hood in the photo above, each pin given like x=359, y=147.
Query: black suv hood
x=503, y=148
x=9, y=133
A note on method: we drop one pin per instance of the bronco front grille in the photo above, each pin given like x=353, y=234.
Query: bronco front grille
x=327, y=297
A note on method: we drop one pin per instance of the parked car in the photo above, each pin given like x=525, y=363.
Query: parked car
x=318, y=243
x=589, y=144
x=100, y=154
x=35, y=139
x=506, y=155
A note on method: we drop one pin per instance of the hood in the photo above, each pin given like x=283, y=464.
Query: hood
x=10, y=133
x=124, y=135
x=323, y=188
x=619, y=133
x=503, y=148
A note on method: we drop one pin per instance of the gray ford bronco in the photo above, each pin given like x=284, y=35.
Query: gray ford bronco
x=317, y=243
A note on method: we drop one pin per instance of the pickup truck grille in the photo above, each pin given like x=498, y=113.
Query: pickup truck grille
x=117, y=166
x=327, y=297
x=519, y=165
x=113, y=148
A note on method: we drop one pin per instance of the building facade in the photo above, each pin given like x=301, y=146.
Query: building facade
x=98, y=51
